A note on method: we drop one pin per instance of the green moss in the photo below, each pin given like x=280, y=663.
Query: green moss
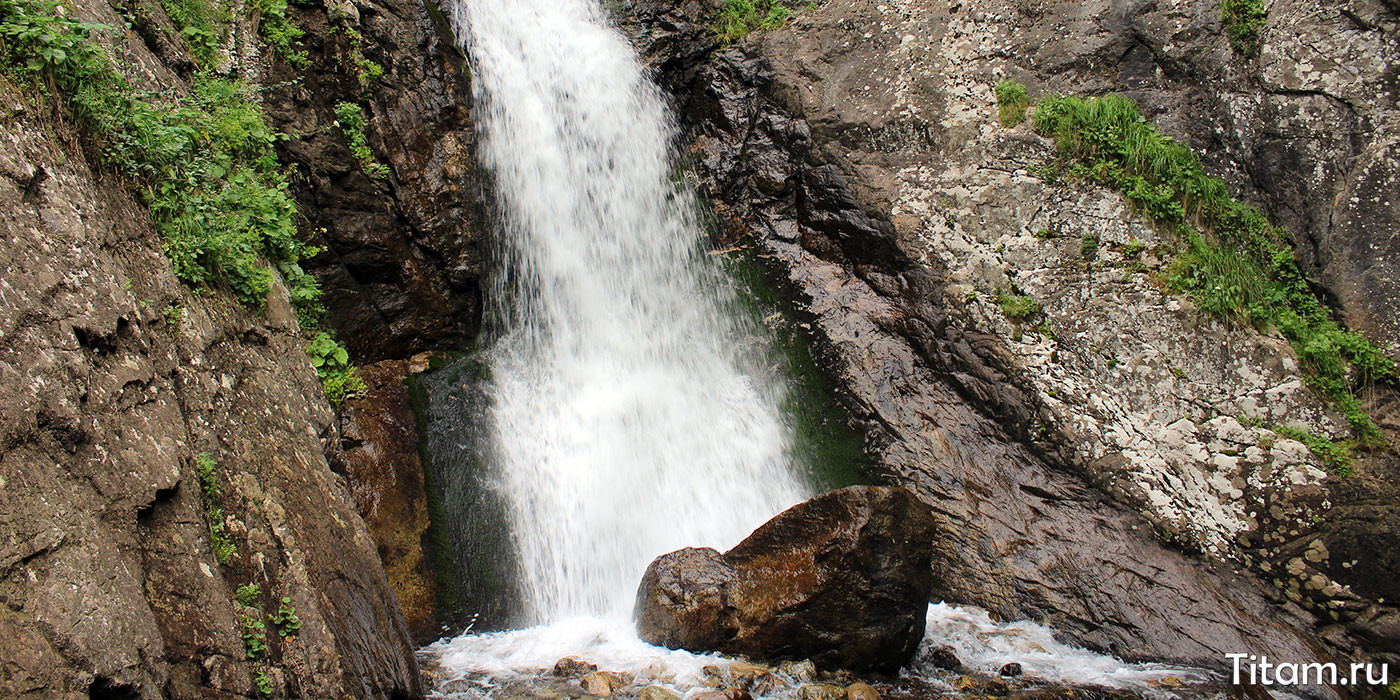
x=1012, y=102
x=1243, y=20
x=1232, y=260
x=737, y=18
x=825, y=442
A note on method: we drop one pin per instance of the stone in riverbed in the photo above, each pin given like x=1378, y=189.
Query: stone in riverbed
x=656, y=692
x=570, y=666
x=603, y=683
x=861, y=691
x=842, y=579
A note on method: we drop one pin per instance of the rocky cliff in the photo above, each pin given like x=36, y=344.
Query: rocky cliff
x=176, y=518
x=1104, y=458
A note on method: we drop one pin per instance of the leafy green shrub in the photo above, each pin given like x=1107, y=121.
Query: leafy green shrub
x=247, y=594
x=279, y=32
x=1335, y=456
x=739, y=17
x=351, y=118
x=1234, y=262
x=201, y=24
x=1018, y=307
x=1012, y=102
x=1243, y=20
x=286, y=620
x=339, y=376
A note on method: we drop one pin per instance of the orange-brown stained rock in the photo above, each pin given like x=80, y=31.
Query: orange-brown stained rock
x=380, y=438
x=842, y=579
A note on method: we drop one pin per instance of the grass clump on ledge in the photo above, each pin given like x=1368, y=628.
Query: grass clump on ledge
x=1232, y=260
x=1335, y=456
x=1243, y=20
x=1018, y=307
x=1012, y=102
x=739, y=17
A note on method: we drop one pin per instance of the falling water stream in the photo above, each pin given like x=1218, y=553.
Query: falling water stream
x=625, y=421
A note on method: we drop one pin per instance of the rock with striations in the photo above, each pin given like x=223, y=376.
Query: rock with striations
x=842, y=579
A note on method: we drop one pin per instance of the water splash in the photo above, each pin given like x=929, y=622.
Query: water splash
x=626, y=425
x=982, y=645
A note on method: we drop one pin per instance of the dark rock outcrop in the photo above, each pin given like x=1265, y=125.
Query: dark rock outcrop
x=401, y=267
x=842, y=579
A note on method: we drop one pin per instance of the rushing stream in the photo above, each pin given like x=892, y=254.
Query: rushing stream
x=624, y=420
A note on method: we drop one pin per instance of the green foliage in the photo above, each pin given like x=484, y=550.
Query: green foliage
x=1335, y=456
x=206, y=471
x=1089, y=246
x=739, y=17
x=351, y=118
x=205, y=162
x=1012, y=102
x=286, y=620
x=338, y=375
x=247, y=594
x=1233, y=261
x=1018, y=307
x=254, y=633
x=201, y=24
x=263, y=684
x=1243, y=20
x=279, y=32
x=174, y=316
x=1044, y=234
x=1132, y=250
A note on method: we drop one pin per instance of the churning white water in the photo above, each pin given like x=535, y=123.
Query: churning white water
x=625, y=423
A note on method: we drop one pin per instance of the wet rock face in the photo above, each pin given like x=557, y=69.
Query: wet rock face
x=401, y=268
x=842, y=579
x=110, y=584
x=1073, y=457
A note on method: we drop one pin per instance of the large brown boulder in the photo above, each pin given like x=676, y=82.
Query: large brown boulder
x=842, y=579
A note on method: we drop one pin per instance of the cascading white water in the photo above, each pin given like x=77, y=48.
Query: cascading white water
x=625, y=424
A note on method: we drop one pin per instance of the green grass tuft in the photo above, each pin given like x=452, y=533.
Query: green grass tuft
x=1233, y=261
x=1335, y=456
x=1012, y=102
x=1018, y=307
x=740, y=17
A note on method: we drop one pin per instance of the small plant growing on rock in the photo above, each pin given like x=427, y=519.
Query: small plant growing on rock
x=1012, y=102
x=247, y=594
x=254, y=633
x=1335, y=456
x=1089, y=246
x=339, y=376
x=1132, y=250
x=263, y=684
x=1243, y=20
x=351, y=119
x=206, y=471
x=739, y=17
x=1018, y=307
x=285, y=619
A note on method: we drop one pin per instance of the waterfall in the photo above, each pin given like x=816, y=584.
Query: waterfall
x=625, y=423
